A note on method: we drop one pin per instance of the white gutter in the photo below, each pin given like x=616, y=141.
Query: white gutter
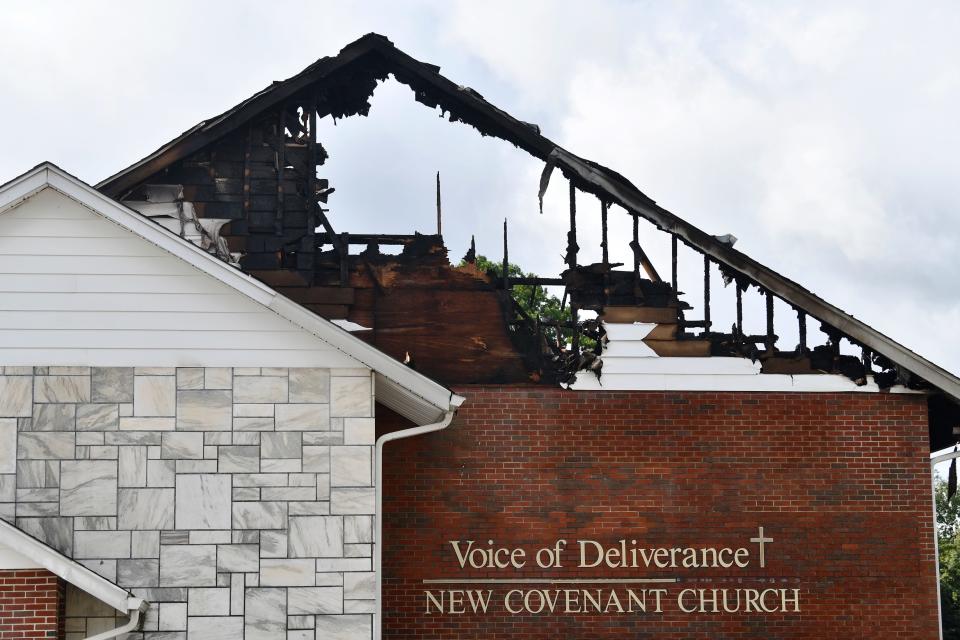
x=455, y=401
x=934, y=461
x=135, y=607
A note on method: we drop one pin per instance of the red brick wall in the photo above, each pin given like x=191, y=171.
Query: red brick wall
x=839, y=481
x=31, y=605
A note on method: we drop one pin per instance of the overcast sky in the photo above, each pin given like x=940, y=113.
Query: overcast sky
x=823, y=135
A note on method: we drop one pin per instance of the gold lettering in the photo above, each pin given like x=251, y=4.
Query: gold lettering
x=594, y=601
x=436, y=603
x=681, y=597
x=736, y=557
x=461, y=556
x=479, y=602
x=583, y=553
x=613, y=600
x=795, y=600
x=506, y=601
x=633, y=599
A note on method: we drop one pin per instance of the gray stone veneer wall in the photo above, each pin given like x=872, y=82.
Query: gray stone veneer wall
x=239, y=502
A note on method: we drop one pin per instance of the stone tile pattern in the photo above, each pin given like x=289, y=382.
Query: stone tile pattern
x=239, y=502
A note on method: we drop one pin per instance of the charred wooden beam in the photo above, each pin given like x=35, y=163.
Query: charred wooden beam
x=606, y=253
x=535, y=280
x=603, y=228
x=312, y=203
x=506, y=262
x=771, y=340
x=802, y=322
x=281, y=159
x=706, y=291
x=739, y=308
x=572, y=247
x=372, y=238
x=439, y=209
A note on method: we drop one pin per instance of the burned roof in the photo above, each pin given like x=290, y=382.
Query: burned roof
x=343, y=84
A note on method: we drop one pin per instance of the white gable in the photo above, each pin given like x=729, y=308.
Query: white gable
x=79, y=289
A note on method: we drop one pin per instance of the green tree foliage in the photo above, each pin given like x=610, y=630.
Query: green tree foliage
x=536, y=301
x=948, y=540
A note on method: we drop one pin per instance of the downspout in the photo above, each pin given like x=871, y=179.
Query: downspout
x=936, y=539
x=455, y=401
x=135, y=608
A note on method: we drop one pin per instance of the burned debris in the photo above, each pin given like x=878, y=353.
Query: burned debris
x=247, y=185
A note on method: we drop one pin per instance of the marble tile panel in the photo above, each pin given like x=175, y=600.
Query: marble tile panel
x=132, y=470
x=208, y=602
x=315, y=536
x=314, y=600
x=260, y=515
x=188, y=565
x=204, y=410
x=173, y=616
x=98, y=417
x=101, y=544
x=185, y=445
x=239, y=459
x=310, y=385
x=358, y=529
x=8, y=486
x=8, y=445
x=88, y=488
x=53, y=417
x=287, y=572
x=16, y=396
x=203, y=501
x=238, y=558
x=55, y=532
x=282, y=465
x=190, y=378
x=253, y=424
x=218, y=378
x=145, y=509
x=46, y=445
x=31, y=473
x=360, y=586
x=302, y=417
x=273, y=544
x=351, y=466
x=138, y=573
x=265, y=614
x=352, y=501
x=241, y=410
x=61, y=389
x=260, y=389
x=359, y=431
x=161, y=473
x=215, y=628
x=345, y=627
x=145, y=544
x=351, y=397
x=281, y=445
x=138, y=423
x=154, y=396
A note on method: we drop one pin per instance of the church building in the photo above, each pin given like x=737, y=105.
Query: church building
x=224, y=416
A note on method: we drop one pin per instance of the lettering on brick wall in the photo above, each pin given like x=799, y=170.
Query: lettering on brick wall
x=629, y=577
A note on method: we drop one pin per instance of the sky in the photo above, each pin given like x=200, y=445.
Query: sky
x=823, y=135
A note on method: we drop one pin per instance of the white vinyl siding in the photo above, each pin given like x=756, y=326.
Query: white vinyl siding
x=77, y=289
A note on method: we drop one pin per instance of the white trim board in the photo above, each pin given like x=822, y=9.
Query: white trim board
x=73, y=572
x=416, y=397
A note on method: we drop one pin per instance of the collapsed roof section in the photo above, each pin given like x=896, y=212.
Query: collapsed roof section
x=255, y=166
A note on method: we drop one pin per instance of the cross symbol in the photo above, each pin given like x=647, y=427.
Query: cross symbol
x=761, y=541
